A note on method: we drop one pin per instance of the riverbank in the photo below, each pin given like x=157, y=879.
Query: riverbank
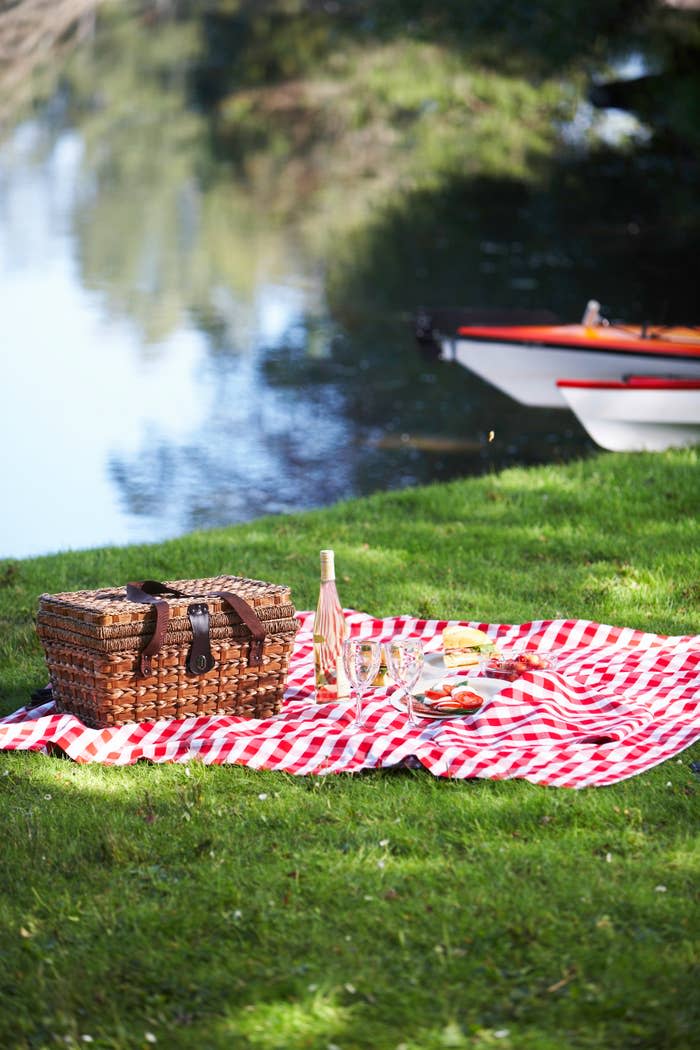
x=198, y=906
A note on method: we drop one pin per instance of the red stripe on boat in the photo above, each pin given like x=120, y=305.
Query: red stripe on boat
x=606, y=337
x=633, y=383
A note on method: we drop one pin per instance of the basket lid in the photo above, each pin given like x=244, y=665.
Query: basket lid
x=107, y=606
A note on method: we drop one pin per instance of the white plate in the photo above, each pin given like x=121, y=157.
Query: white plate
x=488, y=687
x=434, y=670
x=434, y=663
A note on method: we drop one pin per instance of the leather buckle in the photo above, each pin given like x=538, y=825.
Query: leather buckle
x=255, y=652
x=200, y=658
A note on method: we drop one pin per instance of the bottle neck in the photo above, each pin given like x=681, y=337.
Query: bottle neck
x=328, y=592
x=327, y=567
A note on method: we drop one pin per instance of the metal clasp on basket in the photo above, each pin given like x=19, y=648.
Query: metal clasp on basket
x=200, y=658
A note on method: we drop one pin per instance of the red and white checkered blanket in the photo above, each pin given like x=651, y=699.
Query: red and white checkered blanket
x=620, y=702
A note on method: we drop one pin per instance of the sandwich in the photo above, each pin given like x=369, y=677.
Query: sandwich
x=465, y=646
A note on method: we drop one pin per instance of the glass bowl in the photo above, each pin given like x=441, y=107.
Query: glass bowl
x=511, y=665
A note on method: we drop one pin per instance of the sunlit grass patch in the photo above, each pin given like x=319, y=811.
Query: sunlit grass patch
x=219, y=906
x=298, y=1024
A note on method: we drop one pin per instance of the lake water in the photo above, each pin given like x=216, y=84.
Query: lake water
x=117, y=439
x=173, y=358
x=112, y=438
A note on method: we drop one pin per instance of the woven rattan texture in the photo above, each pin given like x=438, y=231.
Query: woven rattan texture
x=108, y=607
x=93, y=641
x=119, y=643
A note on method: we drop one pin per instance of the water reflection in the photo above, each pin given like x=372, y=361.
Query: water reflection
x=255, y=403
x=186, y=346
x=76, y=389
x=141, y=421
x=125, y=439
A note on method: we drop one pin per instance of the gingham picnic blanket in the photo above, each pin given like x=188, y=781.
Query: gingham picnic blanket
x=619, y=702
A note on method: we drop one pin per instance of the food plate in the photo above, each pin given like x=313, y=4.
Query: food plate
x=486, y=687
x=434, y=670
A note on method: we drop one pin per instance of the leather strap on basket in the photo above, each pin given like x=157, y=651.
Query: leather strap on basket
x=146, y=593
x=252, y=621
x=150, y=592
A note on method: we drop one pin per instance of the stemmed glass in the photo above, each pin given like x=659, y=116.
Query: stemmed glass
x=361, y=657
x=404, y=657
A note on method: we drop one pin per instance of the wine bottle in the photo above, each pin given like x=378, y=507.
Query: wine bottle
x=330, y=631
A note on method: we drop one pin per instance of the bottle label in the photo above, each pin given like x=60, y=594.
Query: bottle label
x=331, y=680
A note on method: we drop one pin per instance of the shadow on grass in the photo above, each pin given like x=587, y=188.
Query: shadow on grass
x=207, y=905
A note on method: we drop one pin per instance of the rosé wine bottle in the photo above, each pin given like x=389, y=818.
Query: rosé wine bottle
x=330, y=631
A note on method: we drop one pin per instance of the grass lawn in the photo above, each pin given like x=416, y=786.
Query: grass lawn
x=220, y=907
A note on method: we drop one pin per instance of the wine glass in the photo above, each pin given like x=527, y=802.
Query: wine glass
x=361, y=657
x=404, y=657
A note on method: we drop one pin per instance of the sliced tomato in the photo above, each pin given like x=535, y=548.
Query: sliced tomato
x=436, y=694
x=467, y=697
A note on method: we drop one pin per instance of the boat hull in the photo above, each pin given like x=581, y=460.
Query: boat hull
x=648, y=415
x=525, y=363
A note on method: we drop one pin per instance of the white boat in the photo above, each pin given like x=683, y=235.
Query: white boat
x=643, y=413
x=524, y=360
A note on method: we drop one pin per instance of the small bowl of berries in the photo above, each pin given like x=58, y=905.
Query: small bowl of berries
x=509, y=666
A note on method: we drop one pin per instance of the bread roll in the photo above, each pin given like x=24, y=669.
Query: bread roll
x=464, y=646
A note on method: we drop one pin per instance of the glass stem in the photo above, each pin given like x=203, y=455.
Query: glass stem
x=358, y=707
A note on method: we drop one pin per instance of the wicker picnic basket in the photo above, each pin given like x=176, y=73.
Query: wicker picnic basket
x=150, y=650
